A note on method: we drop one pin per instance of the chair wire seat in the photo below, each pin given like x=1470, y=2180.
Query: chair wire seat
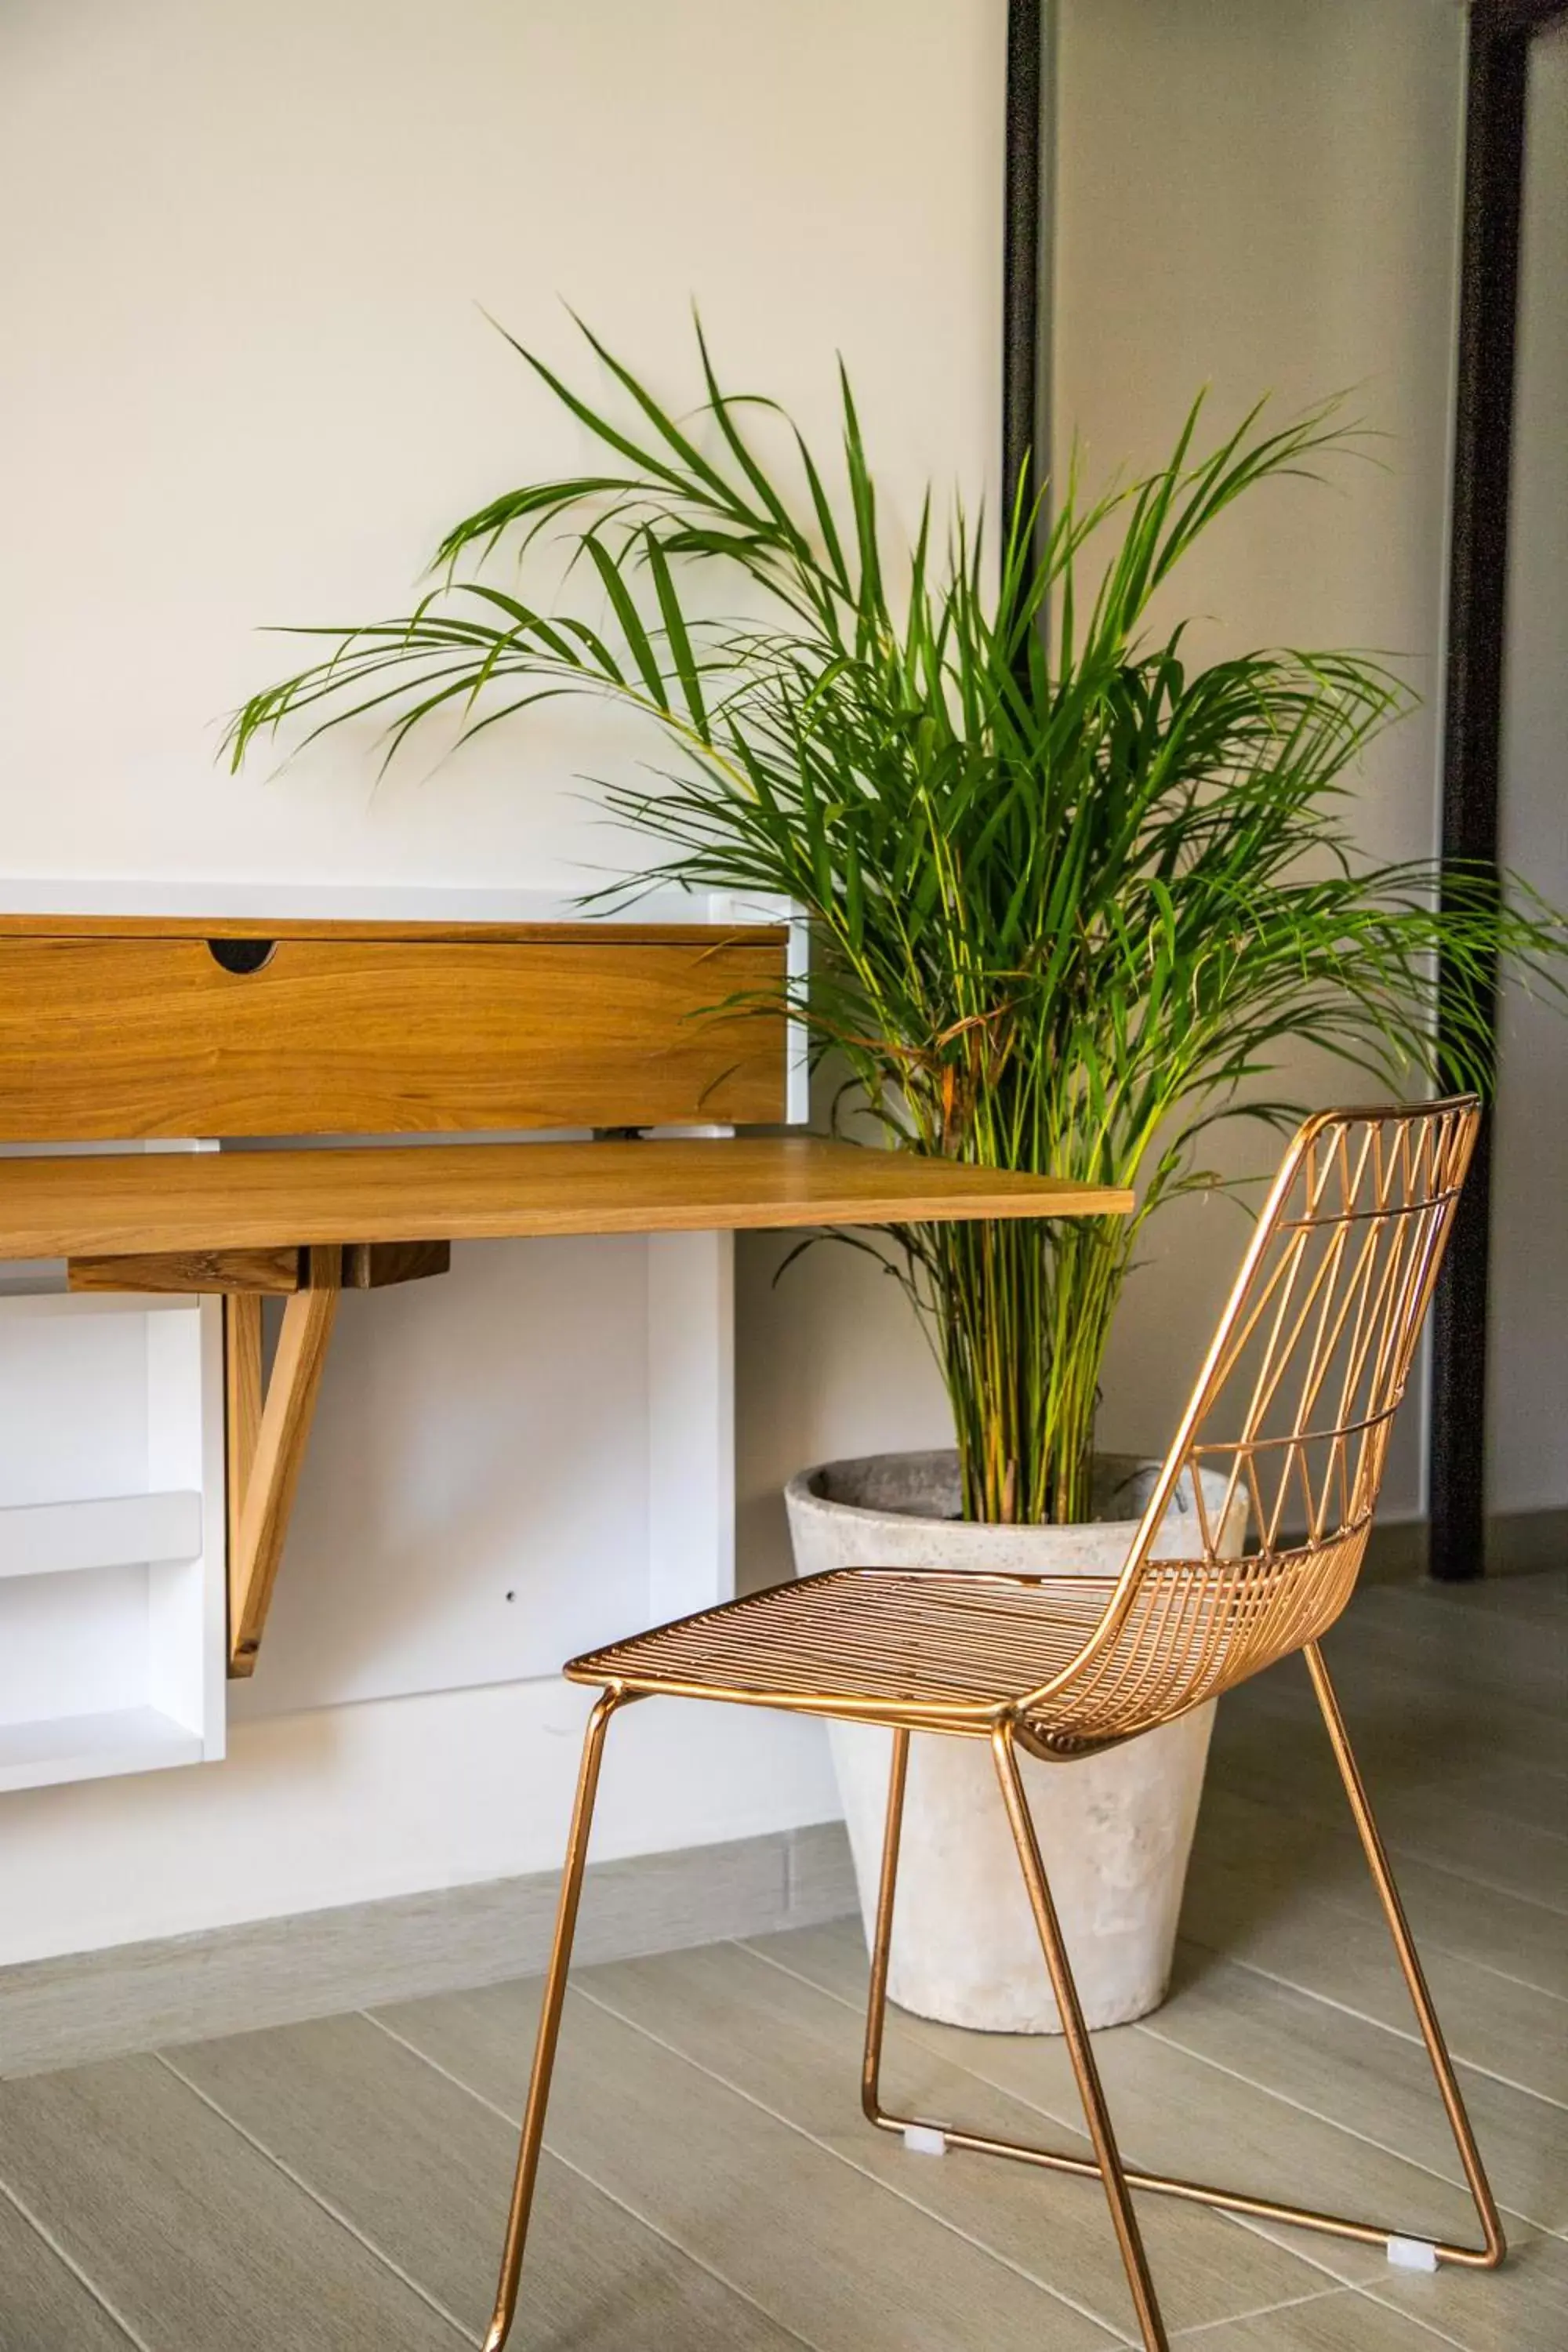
x=904, y=1644
x=930, y=1648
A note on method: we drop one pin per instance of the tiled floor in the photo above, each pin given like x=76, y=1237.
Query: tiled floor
x=710, y=2187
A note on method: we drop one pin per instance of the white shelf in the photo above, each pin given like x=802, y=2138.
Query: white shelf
x=93, y=1747
x=111, y=1534
x=111, y=1531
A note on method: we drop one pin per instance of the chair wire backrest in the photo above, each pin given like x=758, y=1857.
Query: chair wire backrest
x=1288, y=1424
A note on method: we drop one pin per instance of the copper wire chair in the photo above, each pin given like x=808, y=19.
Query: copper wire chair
x=1292, y=1408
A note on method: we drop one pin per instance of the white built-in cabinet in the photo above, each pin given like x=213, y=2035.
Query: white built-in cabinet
x=111, y=1546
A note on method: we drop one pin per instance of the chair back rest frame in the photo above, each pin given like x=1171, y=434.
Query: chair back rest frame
x=1310, y=1359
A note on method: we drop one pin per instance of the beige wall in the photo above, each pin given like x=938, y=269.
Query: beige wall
x=1529, y=1354
x=1259, y=196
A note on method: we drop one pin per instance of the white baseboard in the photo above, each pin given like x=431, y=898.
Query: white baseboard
x=93, y=2005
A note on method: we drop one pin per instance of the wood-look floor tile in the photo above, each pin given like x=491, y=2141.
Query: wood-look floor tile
x=195, y=2239
x=827, y=2252
x=423, y=2170
x=43, y=2306
x=1280, y=1753
x=1519, y=1939
x=1534, y=1798
x=1534, y=1600
x=1270, y=1739
x=1429, y=1806
x=797, y=2049
x=1524, y=1656
x=1481, y=1719
x=1522, y=2307
x=1445, y=1698
x=713, y=2186
x=1174, y=2113
x=1342, y=2322
x=1495, y=1850
x=1505, y=2029
x=1370, y=2082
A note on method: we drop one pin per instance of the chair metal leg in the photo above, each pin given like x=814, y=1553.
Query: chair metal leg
x=1102, y=2137
x=549, y=2018
x=882, y=1942
x=1486, y=2256
x=1409, y=1961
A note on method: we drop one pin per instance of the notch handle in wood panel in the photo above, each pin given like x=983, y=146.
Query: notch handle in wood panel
x=241, y=956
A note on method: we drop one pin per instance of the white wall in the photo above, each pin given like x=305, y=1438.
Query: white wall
x=1260, y=197
x=245, y=380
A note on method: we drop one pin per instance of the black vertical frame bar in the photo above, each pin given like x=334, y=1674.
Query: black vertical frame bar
x=1497, y=85
x=1023, y=251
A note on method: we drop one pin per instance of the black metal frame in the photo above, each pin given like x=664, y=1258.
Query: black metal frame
x=1497, y=68
x=1495, y=142
x=1024, y=234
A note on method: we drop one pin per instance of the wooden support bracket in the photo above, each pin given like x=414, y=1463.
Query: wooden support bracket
x=267, y=1435
x=264, y=1435
x=374, y=1265
x=270, y=1271
x=267, y=1426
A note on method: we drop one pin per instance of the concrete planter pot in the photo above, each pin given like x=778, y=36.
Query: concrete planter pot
x=1115, y=1830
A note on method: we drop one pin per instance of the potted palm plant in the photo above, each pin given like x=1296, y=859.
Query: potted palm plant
x=1073, y=900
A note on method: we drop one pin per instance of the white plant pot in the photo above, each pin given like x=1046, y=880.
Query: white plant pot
x=1115, y=1830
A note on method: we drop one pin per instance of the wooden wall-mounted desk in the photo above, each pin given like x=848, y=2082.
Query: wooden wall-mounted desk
x=117, y=1032
x=255, y=1222
x=272, y=1202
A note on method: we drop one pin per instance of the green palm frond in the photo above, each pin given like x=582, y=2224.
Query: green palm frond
x=1074, y=898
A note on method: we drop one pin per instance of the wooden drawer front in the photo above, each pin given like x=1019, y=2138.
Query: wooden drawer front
x=122, y=1037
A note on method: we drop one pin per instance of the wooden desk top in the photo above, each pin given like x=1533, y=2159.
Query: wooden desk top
x=132, y=1203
